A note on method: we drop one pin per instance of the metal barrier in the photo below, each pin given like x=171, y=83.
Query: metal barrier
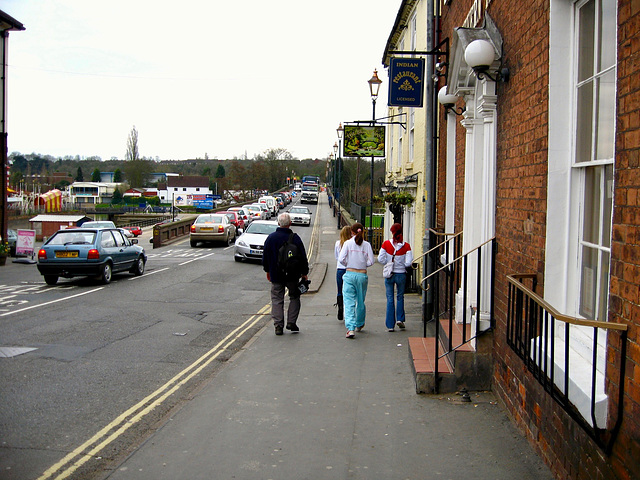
x=446, y=280
x=542, y=337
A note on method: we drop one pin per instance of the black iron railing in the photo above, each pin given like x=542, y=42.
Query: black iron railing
x=452, y=277
x=548, y=342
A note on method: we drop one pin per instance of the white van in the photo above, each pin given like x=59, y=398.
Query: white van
x=272, y=203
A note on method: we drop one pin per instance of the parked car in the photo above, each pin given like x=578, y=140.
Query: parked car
x=236, y=220
x=212, y=227
x=250, y=245
x=300, y=215
x=257, y=213
x=12, y=239
x=242, y=213
x=98, y=224
x=82, y=251
x=135, y=230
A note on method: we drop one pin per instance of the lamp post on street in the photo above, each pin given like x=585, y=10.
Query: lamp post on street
x=335, y=175
x=374, y=89
x=340, y=131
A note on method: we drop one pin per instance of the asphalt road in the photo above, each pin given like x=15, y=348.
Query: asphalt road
x=112, y=361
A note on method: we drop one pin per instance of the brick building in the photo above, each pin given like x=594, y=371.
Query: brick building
x=538, y=148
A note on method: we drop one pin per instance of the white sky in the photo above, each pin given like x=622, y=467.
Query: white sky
x=194, y=77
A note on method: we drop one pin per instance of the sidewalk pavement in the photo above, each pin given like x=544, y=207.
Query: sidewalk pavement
x=315, y=405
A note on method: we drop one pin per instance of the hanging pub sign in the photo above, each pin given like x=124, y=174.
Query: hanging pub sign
x=406, y=85
x=363, y=141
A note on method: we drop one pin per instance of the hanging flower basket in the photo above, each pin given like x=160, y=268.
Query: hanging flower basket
x=397, y=201
x=399, y=198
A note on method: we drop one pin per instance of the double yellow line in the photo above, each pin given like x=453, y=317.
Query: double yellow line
x=90, y=449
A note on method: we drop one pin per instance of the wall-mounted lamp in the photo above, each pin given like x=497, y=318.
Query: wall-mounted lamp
x=479, y=55
x=449, y=101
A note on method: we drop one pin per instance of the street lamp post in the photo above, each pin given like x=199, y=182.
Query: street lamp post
x=340, y=131
x=374, y=89
x=335, y=170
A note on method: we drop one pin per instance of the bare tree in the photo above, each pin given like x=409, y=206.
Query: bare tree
x=132, y=145
x=136, y=169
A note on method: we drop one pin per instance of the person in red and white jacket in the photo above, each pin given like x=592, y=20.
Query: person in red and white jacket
x=400, y=252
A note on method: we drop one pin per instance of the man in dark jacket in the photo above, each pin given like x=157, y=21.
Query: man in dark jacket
x=270, y=265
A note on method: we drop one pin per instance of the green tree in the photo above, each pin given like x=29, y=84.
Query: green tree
x=79, y=176
x=117, y=197
x=220, y=172
x=95, y=176
x=117, y=175
x=16, y=177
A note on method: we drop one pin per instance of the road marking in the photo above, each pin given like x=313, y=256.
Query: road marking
x=150, y=273
x=137, y=412
x=195, y=259
x=51, y=302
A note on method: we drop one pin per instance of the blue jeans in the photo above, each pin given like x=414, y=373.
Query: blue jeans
x=339, y=274
x=395, y=313
x=354, y=291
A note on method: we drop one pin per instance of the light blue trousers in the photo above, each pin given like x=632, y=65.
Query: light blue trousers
x=354, y=292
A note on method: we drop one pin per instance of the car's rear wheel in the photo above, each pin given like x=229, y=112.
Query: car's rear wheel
x=138, y=268
x=105, y=274
x=193, y=243
x=51, y=279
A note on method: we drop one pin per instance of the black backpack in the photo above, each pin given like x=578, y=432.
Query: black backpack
x=289, y=260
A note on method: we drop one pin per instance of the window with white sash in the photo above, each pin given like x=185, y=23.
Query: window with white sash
x=595, y=96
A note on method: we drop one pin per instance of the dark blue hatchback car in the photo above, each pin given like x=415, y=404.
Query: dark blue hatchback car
x=97, y=252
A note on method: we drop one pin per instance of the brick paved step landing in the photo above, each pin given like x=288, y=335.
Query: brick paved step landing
x=456, y=369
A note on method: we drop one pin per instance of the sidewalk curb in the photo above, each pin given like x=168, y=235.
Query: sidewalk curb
x=316, y=276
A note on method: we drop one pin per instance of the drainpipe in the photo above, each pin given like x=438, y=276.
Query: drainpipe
x=430, y=168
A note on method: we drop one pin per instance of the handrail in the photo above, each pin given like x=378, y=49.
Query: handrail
x=453, y=261
x=555, y=313
x=532, y=334
x=453, y=235
x=471, y=281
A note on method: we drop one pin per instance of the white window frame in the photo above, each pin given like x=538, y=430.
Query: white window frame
x=565, y=210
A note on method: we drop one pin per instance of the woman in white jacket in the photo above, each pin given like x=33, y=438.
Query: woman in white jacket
x=357, y=255
x=398, y=251
x=345, y=234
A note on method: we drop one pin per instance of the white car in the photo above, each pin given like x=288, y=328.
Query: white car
x=250, y=245
x=300, y=216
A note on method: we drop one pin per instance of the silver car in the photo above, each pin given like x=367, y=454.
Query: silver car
x=256, y=212
x=300, y=216
x=250, y=245
x=265, y=210
x=211, y=227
